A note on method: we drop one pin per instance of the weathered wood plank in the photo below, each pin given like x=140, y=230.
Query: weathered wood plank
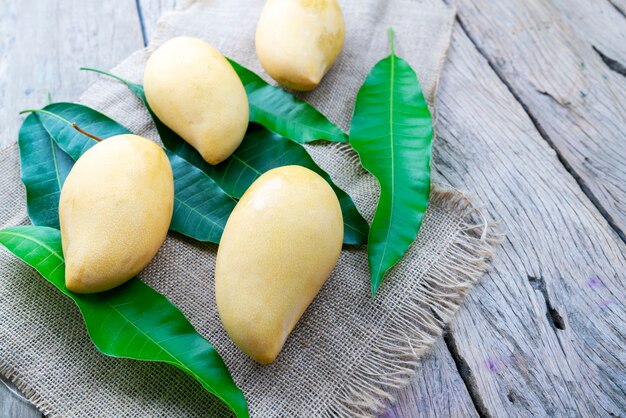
x=151, y=10
x=544, y=50
x=544, y=334
x=12, y=405
x=43, y=45
x=619, y=5
x=436, y=391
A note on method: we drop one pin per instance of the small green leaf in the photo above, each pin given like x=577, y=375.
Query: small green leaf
x=131, y=321
x=201, y=207
x=392, y=132
x=44, y=167
x=260, y=151
x=283, y=113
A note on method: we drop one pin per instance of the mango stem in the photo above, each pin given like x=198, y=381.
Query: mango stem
x=393, y=47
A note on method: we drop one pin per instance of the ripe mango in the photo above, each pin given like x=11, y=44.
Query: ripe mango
x=195, y=91
x=279, y=246
x=297, y=41
x=115, y=209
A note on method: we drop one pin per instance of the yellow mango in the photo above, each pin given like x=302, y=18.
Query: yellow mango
x=279, y=246
x=297, y=41
x=195, y=91
x=115, y=209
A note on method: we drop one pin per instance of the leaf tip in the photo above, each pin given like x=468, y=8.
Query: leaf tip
x=376, y=281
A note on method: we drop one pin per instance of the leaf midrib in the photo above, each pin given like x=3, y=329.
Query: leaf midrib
x=29, y=238
x=199, y=213
x=393, y=170
x=330, y=134
x=56, y=164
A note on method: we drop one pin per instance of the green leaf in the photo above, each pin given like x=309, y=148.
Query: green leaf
x=260, y=151
x=201, y=207
x=44, y=167
x=392, y=132
x=131, y=321
x=283, y=113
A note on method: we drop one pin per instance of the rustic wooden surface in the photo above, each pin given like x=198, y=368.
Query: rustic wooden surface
x=532, y=124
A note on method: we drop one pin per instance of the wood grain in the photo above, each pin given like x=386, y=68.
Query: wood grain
x=12, y=405
x=43, y=44
x=436, y=391
x=544, y=334
x=544, y=50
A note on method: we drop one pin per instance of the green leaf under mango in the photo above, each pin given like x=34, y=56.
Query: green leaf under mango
x=44, y=167
x=201, y=207
x=392, y=132
x=131, y=321
x=283, y=113
x=260, y=151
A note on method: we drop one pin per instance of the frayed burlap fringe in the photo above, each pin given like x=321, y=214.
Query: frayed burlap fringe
x=422, y=319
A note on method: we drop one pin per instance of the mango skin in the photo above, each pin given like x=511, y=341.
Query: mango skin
x=279, y=246
x=195, y=91
x=297, y=41
x=115, y=209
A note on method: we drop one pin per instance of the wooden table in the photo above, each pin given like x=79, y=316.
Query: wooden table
x=532, y=123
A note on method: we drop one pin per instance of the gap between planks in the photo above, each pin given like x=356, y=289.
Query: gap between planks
x=570, y=169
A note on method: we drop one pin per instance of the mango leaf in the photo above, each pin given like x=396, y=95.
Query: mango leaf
x=201, y=207
x=283, y=113
x=44, y=167
x=260, y=151
x=392, y=132
x=131, y=321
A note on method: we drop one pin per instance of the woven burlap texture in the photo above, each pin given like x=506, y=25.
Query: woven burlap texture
x=348, y=351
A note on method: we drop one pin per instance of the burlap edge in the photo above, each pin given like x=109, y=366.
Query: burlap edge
x=414, y=331
x=27, y=392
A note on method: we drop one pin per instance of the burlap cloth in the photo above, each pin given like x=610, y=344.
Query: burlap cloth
x=348, y=351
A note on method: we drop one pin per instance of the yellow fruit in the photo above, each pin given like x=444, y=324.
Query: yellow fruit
x=115, y=209
x=279, y=246
x=297, y=41
x=195, y=91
